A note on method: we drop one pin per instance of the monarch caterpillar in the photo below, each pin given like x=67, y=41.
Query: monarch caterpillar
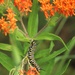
x=31, y=55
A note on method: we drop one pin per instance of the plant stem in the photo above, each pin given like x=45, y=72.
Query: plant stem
x=61, y=26
x=22, y=32
x=47, y=25
x=24, y=28
x=42, y=29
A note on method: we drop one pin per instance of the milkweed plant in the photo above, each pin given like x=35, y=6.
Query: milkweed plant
x=21, y=20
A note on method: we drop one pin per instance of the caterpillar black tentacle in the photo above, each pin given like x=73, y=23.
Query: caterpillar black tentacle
x=31, y=55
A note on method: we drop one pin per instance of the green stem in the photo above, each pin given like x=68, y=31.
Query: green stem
x=42, y=29
x=61, y=26
x=23, y=26
x=47, y=25
x=21, y=32
x=69, y=57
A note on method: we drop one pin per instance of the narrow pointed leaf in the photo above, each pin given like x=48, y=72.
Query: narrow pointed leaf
x=6, y=61
x=50, y=36
x=33, y=19
x=71, y=44
x=41, y=53
x=52, y=23
x=50, y=67
x=47, y=58
x=51, y=46
x=17, y=50
x=5, y=47
x=63, y=68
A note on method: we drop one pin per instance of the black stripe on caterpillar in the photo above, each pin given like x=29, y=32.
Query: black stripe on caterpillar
x=31, y=55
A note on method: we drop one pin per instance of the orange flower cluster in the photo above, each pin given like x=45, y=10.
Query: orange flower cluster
x=9, y=23
x=1, y=1
x=47, y=8
x=23, y=5
x=65, y=7
x=31, y=71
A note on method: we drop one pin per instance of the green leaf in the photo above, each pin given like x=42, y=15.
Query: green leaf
x=63, y=68
x=33, y=19
x=5, y=47
x=2, y=9
x=51, y=56
x=61, y=24
x=48, y=58
x=41, y=53
x=6, y=61
x=19, y=35
x=70, y=45
x=47, y=67
x=26, y=46
x=51, y=46
x=50, y=67
x=55, y=53
x=17, y=50
x=52, y=23
x=50, y=36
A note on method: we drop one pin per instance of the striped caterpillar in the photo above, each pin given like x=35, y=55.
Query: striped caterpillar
x=31, y=55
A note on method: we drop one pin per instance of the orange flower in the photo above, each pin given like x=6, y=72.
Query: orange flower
x=9, y=23
x=44, y=1
x=31, y=71
x=47, y=8
x=66, y=7
x=4, y=25
x=23, y=5
x=1, y=1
